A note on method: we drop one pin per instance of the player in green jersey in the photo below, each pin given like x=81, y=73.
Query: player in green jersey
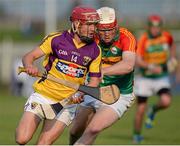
x=156, y=58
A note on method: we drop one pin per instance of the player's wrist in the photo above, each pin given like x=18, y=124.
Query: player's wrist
x=172, y=64
x=77, y=97
x=28, y=66
x=150, y=66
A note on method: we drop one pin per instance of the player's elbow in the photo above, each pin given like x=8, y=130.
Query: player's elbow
x=21, y=141
x=129, y=64
x=129, y=68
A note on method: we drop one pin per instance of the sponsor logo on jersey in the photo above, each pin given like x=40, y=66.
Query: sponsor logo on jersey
x=111, y=60
x=75, y=53
x=70, y=69
x=114, y=50
x=62, y=52
x=86, y=60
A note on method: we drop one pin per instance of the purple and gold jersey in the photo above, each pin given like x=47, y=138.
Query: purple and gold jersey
x=68, y=60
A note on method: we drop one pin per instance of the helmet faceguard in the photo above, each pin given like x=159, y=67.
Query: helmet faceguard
x=84, y=15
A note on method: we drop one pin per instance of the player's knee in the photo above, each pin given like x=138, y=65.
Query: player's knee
x=22, y=139
x=166, y=102
x=94, y=130
x=165, y=97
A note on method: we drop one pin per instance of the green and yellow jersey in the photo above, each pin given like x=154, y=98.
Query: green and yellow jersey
x=155, y=51
x=124, y=41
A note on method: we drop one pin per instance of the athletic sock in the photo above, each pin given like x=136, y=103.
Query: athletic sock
x=155, y=109
x=137, y=132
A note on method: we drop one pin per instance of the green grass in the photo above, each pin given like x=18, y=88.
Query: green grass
x=166, y=130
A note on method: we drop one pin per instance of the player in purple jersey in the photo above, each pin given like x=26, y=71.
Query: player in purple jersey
x=118, y=48
x=70, y=56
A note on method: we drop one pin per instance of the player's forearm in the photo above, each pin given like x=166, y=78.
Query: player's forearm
x=141, y=63
x=94, y=82
x=30, y=57
x=119, y=68
x=173, y=51
x=28, y=60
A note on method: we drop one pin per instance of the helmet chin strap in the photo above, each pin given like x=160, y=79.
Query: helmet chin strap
x=86, y=39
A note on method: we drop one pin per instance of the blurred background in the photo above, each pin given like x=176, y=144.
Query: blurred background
x=24, y=23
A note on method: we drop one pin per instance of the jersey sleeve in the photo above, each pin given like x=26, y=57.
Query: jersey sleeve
x=141, y=45
x=128, y=41
x=169, y=38
x=45, y=45
x=94, y=68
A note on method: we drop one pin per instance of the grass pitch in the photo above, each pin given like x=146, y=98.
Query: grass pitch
x=166, y=130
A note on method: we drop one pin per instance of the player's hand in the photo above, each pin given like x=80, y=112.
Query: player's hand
x=155, y=69
x=32, y=70
x=78, y=97
x=172, y=65
x=102, y=75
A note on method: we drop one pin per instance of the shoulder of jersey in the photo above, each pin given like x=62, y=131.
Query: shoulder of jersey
x=126, y=33
x=167, y=33
x=53, y=34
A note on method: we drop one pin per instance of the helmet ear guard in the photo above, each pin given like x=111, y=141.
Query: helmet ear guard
x=74, y=29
